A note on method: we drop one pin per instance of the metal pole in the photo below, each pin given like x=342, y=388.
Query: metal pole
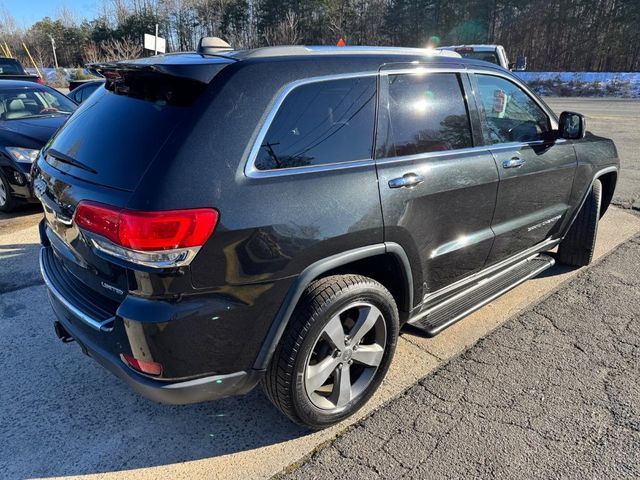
x=53, y=46
x=32, y=60
x=156, y=41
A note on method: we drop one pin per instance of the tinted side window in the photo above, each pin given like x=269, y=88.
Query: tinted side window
x=320, y=123
x=427, y=113
x=512, y=115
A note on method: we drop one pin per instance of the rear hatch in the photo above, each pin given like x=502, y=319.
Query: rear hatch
x=104, y=150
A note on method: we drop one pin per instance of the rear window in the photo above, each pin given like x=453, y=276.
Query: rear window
x=321, y=123
x=116, y=136
x=426, y=113
x=490, y=57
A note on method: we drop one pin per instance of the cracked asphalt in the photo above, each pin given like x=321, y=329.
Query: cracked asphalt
x=553, y=393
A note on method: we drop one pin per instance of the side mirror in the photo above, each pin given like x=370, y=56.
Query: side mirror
x=573, y=126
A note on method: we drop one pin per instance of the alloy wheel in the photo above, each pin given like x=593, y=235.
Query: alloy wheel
x=3, y=193
x=345, y=356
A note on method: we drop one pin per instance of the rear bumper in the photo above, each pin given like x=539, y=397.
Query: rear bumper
x=176, y=393
x=89, y=336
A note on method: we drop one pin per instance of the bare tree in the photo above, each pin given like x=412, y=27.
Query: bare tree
x=42, y=56
x=286, y=32
x=124, y=49
x=92, y=53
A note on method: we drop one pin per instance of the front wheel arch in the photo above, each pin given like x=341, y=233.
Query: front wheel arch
x=609, y=181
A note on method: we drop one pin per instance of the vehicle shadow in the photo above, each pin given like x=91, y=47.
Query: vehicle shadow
x=22, y=211
x=62, y=414
x=557, y=269
x=19, y=267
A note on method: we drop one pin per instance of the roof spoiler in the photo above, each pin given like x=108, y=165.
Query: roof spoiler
x=199, y=72
x=212, y=46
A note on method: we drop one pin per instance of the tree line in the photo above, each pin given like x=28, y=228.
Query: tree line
x=555, y=35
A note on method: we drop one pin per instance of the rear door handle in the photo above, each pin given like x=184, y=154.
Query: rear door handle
x=515, y=162
x=408, y=180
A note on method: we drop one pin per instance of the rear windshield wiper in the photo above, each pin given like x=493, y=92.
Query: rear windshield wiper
x=61, y=157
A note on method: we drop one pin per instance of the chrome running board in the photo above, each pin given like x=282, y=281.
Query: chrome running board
x=477, y=294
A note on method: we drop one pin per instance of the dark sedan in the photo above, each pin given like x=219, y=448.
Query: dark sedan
x=29, y=115
x=81, y=91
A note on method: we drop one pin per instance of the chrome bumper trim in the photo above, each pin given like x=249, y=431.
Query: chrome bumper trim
x=102, y=326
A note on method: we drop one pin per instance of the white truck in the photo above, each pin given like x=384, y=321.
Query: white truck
x=489, y=53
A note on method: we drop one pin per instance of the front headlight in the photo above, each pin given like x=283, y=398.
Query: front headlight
x=26, y=155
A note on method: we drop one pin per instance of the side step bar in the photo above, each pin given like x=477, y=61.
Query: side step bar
x=442, y=315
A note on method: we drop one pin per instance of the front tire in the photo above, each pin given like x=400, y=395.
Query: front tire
x=578, y=246
x=7, y=202
x=335, y=351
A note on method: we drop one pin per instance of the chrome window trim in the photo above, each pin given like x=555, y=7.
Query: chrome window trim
x=325, y=167
x=428, y=155
x=420, y=69
x=250, y=169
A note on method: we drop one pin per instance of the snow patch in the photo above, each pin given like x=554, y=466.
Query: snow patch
x=583, y=84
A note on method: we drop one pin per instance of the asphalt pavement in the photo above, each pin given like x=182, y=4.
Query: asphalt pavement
x=63, y=415
x=618, y=119
x=553, y=393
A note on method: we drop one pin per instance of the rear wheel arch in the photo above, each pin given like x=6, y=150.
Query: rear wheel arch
x=370, y=261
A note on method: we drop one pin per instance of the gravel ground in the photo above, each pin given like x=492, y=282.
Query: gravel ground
x=554, y=393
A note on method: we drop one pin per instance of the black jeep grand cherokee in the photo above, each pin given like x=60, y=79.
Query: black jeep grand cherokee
x=276, y=215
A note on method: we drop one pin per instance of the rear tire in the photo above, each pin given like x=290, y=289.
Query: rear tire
x=7, y=202
x=335, y=352
x=578, y=246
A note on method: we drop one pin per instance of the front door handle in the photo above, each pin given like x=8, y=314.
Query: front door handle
x=408, y=180
x=514, y=162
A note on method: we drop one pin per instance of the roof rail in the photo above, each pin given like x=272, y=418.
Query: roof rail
x=294, y=50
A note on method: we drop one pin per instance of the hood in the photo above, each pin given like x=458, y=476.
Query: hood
x=30, y=132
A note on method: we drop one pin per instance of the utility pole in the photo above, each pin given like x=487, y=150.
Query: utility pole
x=53, y=46
x=156, y=41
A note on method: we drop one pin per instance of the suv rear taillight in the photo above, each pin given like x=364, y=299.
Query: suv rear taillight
x=161, y=239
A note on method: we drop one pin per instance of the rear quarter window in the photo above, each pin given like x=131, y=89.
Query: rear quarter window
x=319, y=123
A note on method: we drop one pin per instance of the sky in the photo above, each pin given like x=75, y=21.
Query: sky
x=27, y=12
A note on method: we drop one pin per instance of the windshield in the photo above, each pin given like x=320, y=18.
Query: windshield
x=32, y=102
x=490, y=57
x=10, y=67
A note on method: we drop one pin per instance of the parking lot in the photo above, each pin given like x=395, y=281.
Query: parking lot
x=63, y=415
